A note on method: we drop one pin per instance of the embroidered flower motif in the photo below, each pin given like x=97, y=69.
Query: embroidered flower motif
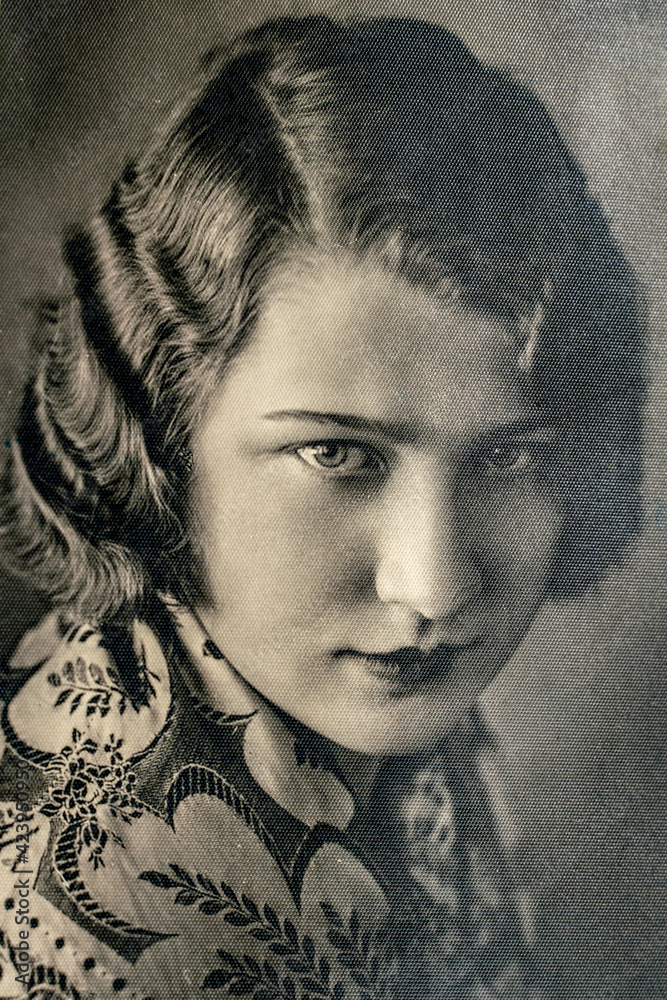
x=213, y=890
x=85, y=780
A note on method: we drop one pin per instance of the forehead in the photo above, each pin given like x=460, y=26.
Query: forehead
x=334, y=333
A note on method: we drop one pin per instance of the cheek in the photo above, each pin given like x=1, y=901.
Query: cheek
x=518, y=540
x=278, y=554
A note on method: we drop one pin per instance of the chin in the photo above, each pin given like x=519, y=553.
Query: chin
x=395, y=738
x=385, y=722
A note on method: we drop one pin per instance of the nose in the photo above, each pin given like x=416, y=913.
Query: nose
x=425, y=557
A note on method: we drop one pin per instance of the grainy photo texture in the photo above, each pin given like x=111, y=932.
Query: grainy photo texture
x=332, y=525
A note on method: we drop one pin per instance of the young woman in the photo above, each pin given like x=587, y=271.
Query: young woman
x=349, y=384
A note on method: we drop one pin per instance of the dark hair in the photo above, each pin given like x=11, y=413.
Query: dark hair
x=381, y=136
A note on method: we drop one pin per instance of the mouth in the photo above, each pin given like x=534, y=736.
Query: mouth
x=408, y=667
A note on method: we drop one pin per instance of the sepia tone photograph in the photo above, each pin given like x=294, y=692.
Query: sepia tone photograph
x=333, y=500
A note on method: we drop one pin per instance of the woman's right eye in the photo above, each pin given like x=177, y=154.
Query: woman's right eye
x=342, y=458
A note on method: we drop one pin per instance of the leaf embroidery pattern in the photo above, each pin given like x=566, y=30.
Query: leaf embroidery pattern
x=302, y=976
x=81, y=682
x=264, y=982
x=367, y=956
x=84, y=781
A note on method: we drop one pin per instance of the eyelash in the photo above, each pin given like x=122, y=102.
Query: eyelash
x=371, y=461
x=530, y=455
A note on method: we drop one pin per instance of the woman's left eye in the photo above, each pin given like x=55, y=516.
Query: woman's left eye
x=336, y=457
x=509, y=458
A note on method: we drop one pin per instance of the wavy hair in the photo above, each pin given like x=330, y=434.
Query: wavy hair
x=381, y=136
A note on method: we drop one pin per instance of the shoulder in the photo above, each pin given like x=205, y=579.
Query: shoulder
x=66, y=678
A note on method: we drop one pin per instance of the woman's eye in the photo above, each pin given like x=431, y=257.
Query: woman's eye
x=336, y=456
x=508, y=458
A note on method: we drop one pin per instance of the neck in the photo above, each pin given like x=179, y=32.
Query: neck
x=358, y=769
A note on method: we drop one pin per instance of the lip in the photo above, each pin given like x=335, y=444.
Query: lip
x=408, y=667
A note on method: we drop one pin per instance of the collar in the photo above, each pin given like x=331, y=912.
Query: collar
x=301, y=781
x=76, y=687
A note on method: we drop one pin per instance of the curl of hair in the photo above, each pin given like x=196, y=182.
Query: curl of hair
x=84, y=498
x=381, y=136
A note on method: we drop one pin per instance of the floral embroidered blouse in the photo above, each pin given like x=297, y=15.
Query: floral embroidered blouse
x=153, y=846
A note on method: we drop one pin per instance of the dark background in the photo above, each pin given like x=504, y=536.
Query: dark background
x=581, y=710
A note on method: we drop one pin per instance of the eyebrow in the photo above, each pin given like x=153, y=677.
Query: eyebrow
x=400, y=432
x=342, y=419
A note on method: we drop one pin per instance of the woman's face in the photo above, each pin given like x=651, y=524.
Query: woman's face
x=375, y=518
